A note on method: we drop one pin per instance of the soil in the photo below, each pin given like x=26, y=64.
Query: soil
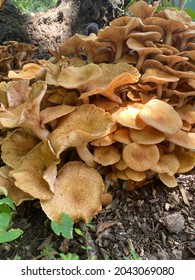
x=154, y=221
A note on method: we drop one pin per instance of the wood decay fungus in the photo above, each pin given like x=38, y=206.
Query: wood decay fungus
x=116, y=105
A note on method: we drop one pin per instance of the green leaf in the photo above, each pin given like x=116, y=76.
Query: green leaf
x=69, y=257
x=64, y=227
x=190, y=12
x=8, y=201
x=78, y=231
x=12, y=234
x=4, y=221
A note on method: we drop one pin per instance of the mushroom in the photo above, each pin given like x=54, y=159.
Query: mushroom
x=183, y=139
x=78, y=193
x=16, y=145
x=129, y=116
x=74, y=131
x=141, y=50
x=142, y=10
x=168, y=180
x=148, y=135
x=117, y=35
x=186, y=161
x=17, y=195
x=112, y=77
x=136, y=176
x=158, y=77
x=162, y=116
x=140, y=157
x=37, y=171
x=106, y=155
x=29, y=71
x=168, y=163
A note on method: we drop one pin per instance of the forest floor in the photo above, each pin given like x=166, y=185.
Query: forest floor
x=154, y=221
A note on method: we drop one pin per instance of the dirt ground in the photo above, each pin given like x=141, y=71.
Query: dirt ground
x=154, y=221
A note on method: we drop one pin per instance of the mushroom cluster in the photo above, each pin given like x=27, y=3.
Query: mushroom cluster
x=119, y=105
x=13, y=55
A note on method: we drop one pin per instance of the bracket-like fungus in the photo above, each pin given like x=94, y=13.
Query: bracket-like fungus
x=115, y=105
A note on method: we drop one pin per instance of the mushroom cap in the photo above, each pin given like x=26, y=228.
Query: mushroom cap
x=140, y=157
x=16, y=145
x=122, y=135
x=148, y=135
x=80, y=127
x=78, y=192
x=183, y=139
x=186, y=161
x=136, y=176
x=187, y=113
x=7, y=182
x=129, y=116
x=158, y=76
x=77, y=77
x=168, y=180
x=168, y=163
x=162, y=116
x=142, y=10
x=106, y=155
x=29, y=71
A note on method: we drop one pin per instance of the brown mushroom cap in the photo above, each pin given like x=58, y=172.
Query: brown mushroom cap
x=7, y=182
x=148, y=135
x=106, y=155
x=78, y=192
x=140, y=157
x=186, y=161
x=187, y=113
x=136, y=176
x=183, y=139
x=168, y=163
x=158, y=77
x=162, y=116
x=168, y=180
x=142, y=10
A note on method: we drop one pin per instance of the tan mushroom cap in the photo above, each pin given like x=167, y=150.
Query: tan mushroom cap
x=148, y=135
x=186, y=161
x=140, y=157
x=7, y=182
x=142, y=10
x=77, y=77
x=105, y=141
x=141, y=50
x=136, y=176
x=183, y=139
x=112, y=77
x=106, y=155
x=80, y=127
x=78, y=193
x=106, y=199
x=187, y=113
x=168, y=180
x=129, y=116
x=120, y=165
x=168, y=163
x=162, y=116
x=29, y=71
x=122, y=135
x=158, y=77
x=16, y=145
x=37, y=172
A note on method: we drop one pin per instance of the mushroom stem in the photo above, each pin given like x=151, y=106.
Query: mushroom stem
x=168, y=37
x=140, y=61
x=41, y=132
x=86, y=156
x=119, y=51
x=159, y=91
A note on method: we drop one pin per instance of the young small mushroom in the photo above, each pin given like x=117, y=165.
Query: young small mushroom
x=106, y=155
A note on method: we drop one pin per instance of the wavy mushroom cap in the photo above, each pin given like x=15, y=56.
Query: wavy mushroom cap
x=78, y=192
